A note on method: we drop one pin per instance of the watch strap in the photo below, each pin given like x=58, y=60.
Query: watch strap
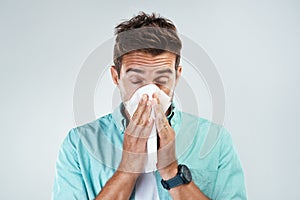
x=173, y=182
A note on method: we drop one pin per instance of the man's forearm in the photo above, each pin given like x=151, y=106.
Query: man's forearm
x=119, y=186
x=189, y=191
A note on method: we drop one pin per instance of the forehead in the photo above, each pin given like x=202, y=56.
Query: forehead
x=140, y=59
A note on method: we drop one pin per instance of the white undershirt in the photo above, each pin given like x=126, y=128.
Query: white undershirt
x=146, y=188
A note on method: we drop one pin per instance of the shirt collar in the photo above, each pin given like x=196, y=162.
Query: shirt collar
x=119, y=117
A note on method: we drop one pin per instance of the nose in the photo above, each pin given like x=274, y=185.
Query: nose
x=152, y=82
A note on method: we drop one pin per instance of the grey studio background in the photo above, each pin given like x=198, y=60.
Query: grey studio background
x=254, y=45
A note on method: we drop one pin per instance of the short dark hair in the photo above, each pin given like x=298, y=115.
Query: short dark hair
x=146, y=33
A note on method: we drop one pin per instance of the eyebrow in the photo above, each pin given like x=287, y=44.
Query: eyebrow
x=135, y=70
x=162, y=71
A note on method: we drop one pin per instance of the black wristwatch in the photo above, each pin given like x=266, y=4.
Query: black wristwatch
x=183, y=176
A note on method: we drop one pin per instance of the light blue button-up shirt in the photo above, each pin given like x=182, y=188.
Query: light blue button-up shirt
x=90, y=155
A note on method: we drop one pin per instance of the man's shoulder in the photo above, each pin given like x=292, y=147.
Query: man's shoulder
x=90, y=130
x=94, y=126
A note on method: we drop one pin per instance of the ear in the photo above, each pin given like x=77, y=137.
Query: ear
x=114, y=75
x=178, y=73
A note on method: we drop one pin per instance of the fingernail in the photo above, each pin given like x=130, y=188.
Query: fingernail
x=148, y=103
x=144, y=97
x=149, y=121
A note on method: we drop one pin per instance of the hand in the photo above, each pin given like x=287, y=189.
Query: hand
x=135, y=138
x=167, y=163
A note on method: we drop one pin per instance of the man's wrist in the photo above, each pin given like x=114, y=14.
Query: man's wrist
x=128, y=175
x=169, y=172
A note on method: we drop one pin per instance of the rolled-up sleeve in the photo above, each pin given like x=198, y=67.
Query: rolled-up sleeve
x=68, y=182
x=230, y=182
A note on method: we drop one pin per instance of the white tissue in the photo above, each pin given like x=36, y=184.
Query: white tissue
x=132, y=104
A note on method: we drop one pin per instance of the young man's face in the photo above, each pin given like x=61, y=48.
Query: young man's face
x=139, y=69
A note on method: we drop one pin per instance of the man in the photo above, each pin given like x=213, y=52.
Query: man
x=106, y=159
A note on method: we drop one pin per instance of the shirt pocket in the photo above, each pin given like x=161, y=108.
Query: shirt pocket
x=205, y=180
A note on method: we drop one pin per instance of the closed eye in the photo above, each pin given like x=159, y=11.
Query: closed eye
x=162, y=80
x=136, y=80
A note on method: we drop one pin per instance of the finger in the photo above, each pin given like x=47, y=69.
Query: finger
x=140, y=109
x=139, y=122
x=161, y=120
x=145, y=131
x=130, y=130
x=145, y=116
x=155, y=96
x=144, y=125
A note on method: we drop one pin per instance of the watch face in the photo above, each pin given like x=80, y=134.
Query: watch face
x=185, y=173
